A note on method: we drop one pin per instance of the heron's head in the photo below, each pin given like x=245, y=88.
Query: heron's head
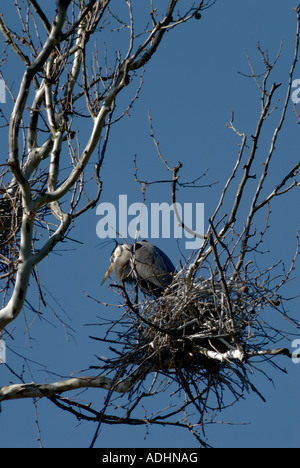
x=119, y=261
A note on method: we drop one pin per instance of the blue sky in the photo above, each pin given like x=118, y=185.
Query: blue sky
x=190, y=87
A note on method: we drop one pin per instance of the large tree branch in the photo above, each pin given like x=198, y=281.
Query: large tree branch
x=36, y=390
x=17, y=113
x=26, y=260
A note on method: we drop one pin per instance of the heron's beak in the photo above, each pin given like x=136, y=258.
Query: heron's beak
x=107, y=273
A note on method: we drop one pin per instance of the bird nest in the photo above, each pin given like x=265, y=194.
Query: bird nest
x=200, y=334
x=10, y=223
x=197, y=323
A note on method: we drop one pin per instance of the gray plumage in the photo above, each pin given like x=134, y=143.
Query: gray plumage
x=142, y=263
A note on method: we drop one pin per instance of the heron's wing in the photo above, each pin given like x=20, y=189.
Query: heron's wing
x=154, y=268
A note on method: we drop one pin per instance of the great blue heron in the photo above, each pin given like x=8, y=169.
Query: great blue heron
x=142, y=263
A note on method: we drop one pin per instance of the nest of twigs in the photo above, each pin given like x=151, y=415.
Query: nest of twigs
x=10, y=223
x=200, y=334
x=194, y=323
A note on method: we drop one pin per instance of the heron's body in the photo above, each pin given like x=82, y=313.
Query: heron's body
x=142, y=263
